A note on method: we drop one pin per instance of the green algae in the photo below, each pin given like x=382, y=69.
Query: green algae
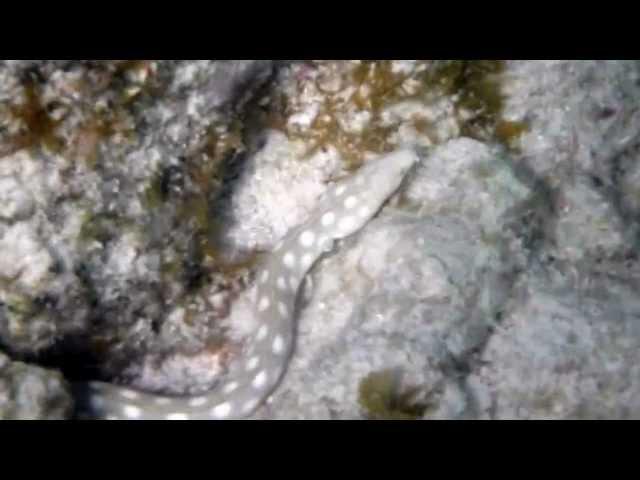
x=98, y=123
x=381, y=398
x=198, y=255
x=476, y=86
x=383, y=88
x=508, y=133
x=153, y=195
x=102, y=227
x=38, y=128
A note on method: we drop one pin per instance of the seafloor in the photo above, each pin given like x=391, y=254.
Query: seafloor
x=138, y=197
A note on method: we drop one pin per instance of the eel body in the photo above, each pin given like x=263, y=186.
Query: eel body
x=344, y=209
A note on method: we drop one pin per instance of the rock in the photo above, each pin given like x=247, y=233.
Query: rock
x=28, y=392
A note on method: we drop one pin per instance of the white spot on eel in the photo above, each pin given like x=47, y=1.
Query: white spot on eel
x=177, y=416
x=230, y=387
x=350, y=202
x=278, y=345
x=353, y=203
x=131, y=411
x=263, y=304
x=197, y=401
x=260, y=379
x=289, y=260
x=364, y=211
x=264, y=276
x=262, y=332
x=307, y=238
x=328, y=219
x=221, y=411
x=249, y=405
x=252, y=363
x=129, y=394
x=347, y=223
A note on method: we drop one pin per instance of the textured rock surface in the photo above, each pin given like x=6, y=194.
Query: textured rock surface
x=87, y=224
x=30, y=393
x=136, y=199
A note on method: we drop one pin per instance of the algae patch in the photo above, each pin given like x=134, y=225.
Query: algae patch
x=476, y=86
x=348, y=105
x=75, y=116
x=382, y=398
